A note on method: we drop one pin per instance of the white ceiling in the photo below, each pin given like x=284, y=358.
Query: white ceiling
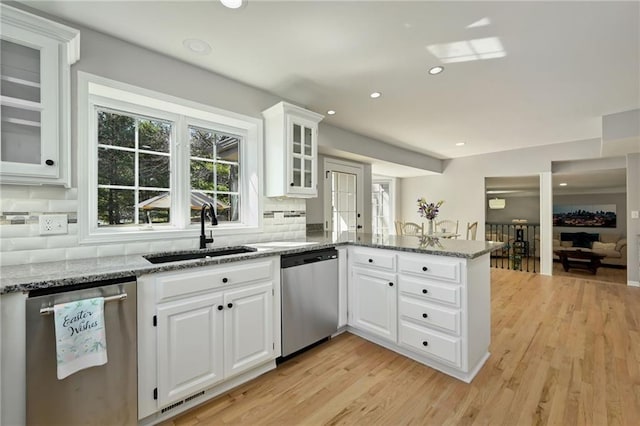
x=597, y=181
x=563, y=64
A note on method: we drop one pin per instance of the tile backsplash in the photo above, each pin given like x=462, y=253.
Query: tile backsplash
x=21, y=242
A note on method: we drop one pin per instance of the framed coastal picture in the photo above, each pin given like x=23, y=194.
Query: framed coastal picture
x=585, y=216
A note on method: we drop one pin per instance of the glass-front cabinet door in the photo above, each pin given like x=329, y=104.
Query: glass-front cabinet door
x=291, y=151
x=34, y=93
x=303, y=153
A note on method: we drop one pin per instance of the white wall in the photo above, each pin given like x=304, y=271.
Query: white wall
x=461, y=184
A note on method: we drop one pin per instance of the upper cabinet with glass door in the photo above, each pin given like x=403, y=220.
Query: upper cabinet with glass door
x=36, y=55
x=291, y=151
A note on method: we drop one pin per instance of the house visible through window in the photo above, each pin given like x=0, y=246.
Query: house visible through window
x=214, y=166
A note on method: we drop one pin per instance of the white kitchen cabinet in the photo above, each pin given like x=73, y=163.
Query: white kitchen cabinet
x=35, y=97
x=204, y=329
x=190, y=346
x=248, y=328
x=373, y=303
x=437, y=312
x=291, y=151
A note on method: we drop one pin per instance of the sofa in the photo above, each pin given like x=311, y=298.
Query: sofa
x=613, y=246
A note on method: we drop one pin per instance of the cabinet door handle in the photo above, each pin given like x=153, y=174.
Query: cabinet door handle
x=220, y=307
x=229, y=305
x=425, y=315
x=390, y=284
x=425, y=343
x=49, y=162
x=291, y=184
x=225, y=280
x=425, y=291
x=370, y=260
x=425, y=269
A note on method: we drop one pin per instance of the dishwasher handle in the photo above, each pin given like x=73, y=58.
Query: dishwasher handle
x=305, y=258
x=118, y=297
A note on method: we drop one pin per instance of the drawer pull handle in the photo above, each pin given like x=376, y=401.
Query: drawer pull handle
x=220, y=307
x=425, y=315
x=370, y=260
x=229, y=305
x=225, y=280
x=425, y=269
x=425, y=291
x=390, y=284
x=425, y=343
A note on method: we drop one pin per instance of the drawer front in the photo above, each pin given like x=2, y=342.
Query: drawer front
x=383, y=259
x=434, y=267
x=431, y=291
x=202, y=279
x=429, y=343
x=430, y=315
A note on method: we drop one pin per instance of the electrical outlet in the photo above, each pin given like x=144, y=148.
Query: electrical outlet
x=634, y=214
x=51, y=224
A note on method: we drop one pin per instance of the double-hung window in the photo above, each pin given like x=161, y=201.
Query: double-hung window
x=147, y=162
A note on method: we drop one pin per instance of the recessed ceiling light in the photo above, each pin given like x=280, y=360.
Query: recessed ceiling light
x=563, y=184
x=331, y=112
x=197, y=46
x=460, y=144
x=436, y=70
x=375, y=95
x=231, y=4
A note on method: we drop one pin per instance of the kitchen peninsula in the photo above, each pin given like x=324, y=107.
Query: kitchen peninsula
x=427, y=299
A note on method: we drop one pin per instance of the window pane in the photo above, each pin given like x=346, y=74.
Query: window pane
x=227, y=148
x=202, y=142
x=115, y=207
x=297, y=138
x=307, y=141
x=202, y=175
x=228, y=207
x=115, y=129
x=227, y=177
x=154, y=170
x=154, y=207
x=115, y=167
x=154, y=135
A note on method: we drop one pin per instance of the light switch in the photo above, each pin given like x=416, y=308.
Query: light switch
x=634, y=214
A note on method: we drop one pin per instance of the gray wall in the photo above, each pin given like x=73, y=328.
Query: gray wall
x=515, y=208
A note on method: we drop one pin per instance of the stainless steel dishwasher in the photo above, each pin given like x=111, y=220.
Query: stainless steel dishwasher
x=102, y=395
x=309, y=298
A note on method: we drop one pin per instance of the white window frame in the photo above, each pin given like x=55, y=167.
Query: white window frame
x=392, y=200
x=94, y=91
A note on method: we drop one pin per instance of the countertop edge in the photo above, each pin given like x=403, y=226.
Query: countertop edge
x=141, y=269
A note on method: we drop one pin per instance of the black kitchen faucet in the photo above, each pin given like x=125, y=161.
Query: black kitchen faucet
x=214, y=221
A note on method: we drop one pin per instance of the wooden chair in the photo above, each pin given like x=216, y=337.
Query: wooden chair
x=472, y=228
x=399, y=225
x=448, y=225
x=411, y=228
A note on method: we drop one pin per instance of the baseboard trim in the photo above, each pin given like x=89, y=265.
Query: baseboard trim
x=633, y=283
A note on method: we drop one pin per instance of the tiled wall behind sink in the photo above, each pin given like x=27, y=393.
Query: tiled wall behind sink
x=21, y=242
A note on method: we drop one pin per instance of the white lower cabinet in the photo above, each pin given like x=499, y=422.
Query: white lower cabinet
x=373, y=303
x=190, y=346
x=434, y=309
x=204, y=328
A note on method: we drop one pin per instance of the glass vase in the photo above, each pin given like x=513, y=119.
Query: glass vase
x=430, y=227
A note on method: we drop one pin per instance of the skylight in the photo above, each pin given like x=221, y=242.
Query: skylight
x=468, y=50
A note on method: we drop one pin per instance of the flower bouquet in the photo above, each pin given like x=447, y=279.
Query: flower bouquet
x=430, y=211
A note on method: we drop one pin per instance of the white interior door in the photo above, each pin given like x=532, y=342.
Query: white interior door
x=343, y=190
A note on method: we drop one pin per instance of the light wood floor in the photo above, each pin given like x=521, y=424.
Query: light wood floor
x=564, y=351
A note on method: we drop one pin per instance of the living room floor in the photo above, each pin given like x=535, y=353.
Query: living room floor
x=605, y=273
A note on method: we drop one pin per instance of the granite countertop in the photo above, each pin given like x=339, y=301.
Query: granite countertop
x=53, y=274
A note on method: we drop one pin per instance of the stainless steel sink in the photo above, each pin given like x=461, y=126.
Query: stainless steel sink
x=201, y=254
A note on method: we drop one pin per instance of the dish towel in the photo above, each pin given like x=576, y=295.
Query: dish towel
x=80, y=335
